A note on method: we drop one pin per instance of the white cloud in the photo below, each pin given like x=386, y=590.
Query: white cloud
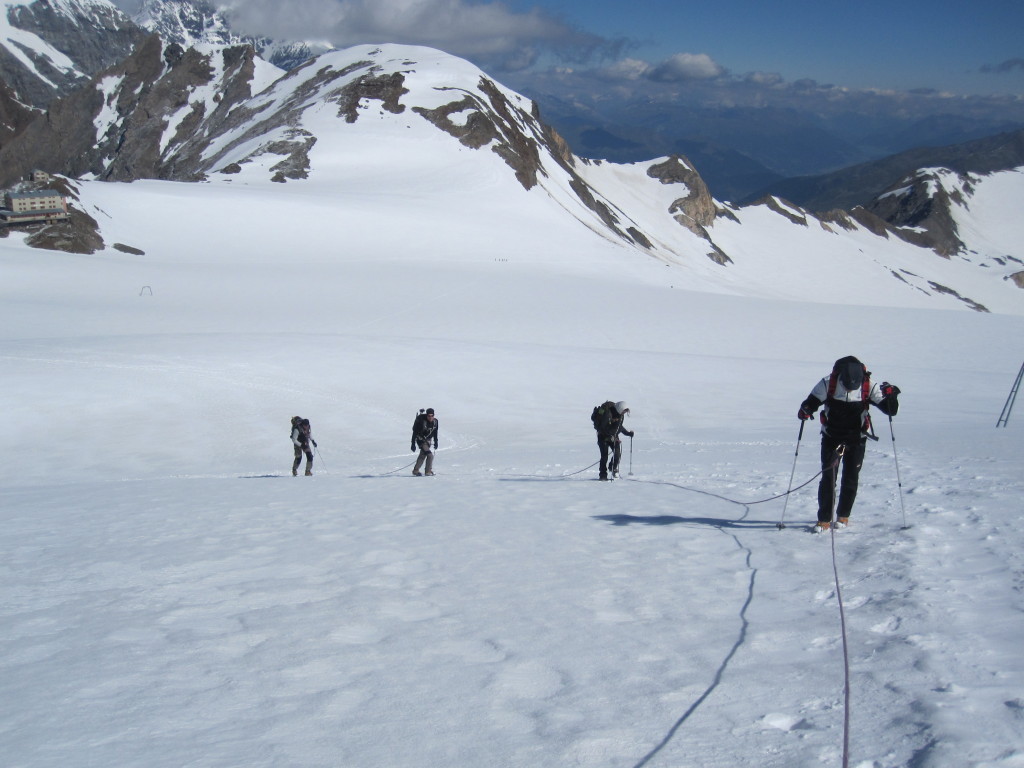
x=489, y=31
x=686, y=66
x=767, y=79
x=626, y=69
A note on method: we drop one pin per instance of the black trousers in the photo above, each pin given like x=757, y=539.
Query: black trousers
x=299, y=450
x=609, y=449
x=851, y=461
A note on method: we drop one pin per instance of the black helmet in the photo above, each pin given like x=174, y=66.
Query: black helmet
x=850, y=371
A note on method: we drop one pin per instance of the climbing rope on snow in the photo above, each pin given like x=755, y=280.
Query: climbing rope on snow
x=555, y=477
x=834, y=469
x=399, y=469
x=726, y=498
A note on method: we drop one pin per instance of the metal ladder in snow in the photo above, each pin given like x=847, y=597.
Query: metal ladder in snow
x=1005, y=415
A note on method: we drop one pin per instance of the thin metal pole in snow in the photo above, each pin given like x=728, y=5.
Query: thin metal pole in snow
x=789, y=488
x=899, y=480
x=1005, y=415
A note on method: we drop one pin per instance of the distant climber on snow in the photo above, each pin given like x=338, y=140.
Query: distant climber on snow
x=302, y=436
x=424, y=432
x=607, y=419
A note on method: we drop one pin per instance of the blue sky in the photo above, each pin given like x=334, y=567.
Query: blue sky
x=956, y=46
x=965, y=48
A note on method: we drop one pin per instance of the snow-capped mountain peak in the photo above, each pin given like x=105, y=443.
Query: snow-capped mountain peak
x=197, y=22
x=188, y=22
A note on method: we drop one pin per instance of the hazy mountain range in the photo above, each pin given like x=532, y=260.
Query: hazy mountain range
x=743, y=149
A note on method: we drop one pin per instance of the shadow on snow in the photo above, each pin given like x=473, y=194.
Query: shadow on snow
x=622, y=519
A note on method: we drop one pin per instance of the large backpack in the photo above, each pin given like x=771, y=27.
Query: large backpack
x=848, y=417
x=603, y=418
x=420, y=427
x=303, y=426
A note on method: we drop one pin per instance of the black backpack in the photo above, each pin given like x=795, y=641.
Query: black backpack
x=303, y=426
x=600, y=414
x=420, y=427
x=848, y=418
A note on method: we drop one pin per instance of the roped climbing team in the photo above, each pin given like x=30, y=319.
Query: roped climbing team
x=847, y=394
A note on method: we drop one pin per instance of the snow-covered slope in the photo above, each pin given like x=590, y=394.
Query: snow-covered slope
x=415, y=123
x=388, y=231
x=987, y=220
x=170, y=595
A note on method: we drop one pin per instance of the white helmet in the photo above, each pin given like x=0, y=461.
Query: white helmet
x=621, y=407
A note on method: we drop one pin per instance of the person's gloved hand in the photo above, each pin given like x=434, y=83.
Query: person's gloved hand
x=889, y=390
x=804, y=415
x=630, y=434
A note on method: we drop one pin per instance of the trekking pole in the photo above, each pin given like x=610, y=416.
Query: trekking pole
x=899, y=481
x=321, y=457
x=780, y=525
x=630, y=455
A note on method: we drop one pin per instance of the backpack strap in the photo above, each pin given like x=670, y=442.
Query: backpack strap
x=865, y=386
x=865, y=395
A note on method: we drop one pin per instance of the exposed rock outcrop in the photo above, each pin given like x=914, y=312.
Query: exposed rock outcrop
x=919, y=211
x=493, y=122
x=388, y=89
x=838, y=217
x=490, y=119
x=697, y=209
x=140, y=97
x=14, y=116
x=92, y=35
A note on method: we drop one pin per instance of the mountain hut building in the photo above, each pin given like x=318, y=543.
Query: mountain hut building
x=26, y=207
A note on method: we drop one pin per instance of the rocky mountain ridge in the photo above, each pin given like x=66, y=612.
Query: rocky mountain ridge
x=218, y=112
x=142, y=119
x=198, y=22
x=860, y=184
x=115, y=128
x=50, y=48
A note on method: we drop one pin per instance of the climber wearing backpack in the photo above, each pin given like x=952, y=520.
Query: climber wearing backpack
x=302, y=436
x=424, y=431
x=607, y=419
x=846, y=393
